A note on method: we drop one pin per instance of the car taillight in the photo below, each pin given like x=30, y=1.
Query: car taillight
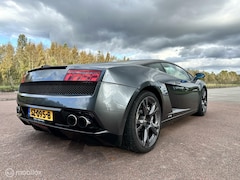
x=82, y=75
x=23, y=78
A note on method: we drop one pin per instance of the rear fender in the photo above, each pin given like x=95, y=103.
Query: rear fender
x=160, y=90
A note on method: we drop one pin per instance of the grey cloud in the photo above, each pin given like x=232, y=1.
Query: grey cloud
x=138, y=25
x=135, y=22
x=211, y=52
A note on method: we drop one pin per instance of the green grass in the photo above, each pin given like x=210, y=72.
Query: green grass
x=222, y=85
x=9, y=88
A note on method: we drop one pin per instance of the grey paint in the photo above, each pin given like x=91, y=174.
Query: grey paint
x=119, y=86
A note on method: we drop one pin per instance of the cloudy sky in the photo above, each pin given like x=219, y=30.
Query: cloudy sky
x=202, y=35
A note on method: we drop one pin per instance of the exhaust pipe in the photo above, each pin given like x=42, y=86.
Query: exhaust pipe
x=83, y=122
x=19, y=111
x=72, y=120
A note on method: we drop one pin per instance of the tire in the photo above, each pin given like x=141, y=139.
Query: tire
x=142, y=128
x=202, y=108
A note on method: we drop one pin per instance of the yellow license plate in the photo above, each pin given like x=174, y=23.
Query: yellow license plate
x=41, y=114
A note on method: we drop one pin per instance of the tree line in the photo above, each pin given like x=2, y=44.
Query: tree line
x=15, y=62
x=224, y=77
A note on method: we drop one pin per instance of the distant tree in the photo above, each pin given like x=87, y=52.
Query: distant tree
x=65, y=54
x=31, y=54
x=21, y=58
x=74, y=55
x=100, y=57
x=14, y=63
x=22, y=41
x=108, y=57
x=125, y=58
x=2, y=52
x=7, y=64
x=222, y=77
x=40, y=55
x=212, y=78
x=233, y=77
x=83, y=57
x=52, y=54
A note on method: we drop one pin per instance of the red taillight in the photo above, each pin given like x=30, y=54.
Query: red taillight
x=82, y=75
x=23, y=78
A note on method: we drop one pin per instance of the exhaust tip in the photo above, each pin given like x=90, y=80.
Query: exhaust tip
x=83, y=122
x=19, y=111
x=72, y=120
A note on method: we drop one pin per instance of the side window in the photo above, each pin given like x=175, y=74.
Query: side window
x=176, y=71
x=157, y=66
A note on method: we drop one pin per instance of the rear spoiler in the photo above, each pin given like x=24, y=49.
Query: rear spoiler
x=48, y=67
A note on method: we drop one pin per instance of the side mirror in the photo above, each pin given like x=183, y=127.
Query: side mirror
x=198, y=76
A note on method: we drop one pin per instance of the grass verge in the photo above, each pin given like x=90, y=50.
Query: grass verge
x=222, y=85
x=9, y=88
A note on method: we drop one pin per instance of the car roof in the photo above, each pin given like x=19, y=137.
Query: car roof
x=131, y=62
x=137, y=62
x=141, y=61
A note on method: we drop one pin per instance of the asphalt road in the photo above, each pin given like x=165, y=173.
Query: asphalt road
x=192, y=148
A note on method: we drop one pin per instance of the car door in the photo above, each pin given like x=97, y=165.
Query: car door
x=183, y=91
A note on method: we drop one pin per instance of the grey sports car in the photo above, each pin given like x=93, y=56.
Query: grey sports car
x=123, y=103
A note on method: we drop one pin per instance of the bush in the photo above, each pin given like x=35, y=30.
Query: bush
x=8, y=88
x=211, y=85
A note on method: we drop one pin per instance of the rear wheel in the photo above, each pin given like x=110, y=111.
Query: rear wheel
x=143, y=124
x=202, y=108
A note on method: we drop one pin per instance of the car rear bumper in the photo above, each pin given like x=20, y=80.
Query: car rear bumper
x=105, y=109
x=28, y=121
x=104, y=137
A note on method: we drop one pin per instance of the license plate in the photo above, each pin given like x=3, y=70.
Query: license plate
x=41, y=114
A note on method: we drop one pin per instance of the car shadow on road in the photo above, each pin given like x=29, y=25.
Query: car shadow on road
x=70, y=142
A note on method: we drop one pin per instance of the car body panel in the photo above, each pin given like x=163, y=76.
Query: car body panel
x=112, y=98
x=183, y=95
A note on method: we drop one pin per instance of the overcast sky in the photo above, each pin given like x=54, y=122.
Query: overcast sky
x=202, y=35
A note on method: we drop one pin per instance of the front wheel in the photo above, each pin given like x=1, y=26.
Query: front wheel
x=143, y=125
x=202, y=108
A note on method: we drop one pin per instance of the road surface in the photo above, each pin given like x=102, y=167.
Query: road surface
x=191, y=148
